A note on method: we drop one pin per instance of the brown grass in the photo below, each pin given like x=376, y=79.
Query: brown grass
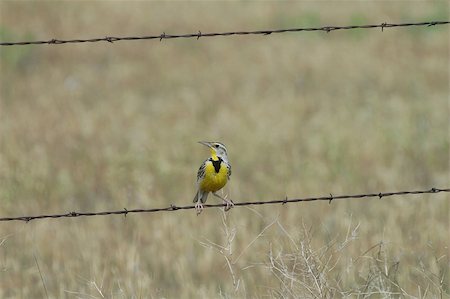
x=100, y=126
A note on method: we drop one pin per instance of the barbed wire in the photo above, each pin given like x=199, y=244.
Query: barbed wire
x=199, y=34
x=173, y=208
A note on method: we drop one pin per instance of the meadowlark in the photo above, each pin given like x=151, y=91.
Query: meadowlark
x=212, y=175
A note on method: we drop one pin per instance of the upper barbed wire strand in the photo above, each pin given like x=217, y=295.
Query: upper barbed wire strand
x=199, y=34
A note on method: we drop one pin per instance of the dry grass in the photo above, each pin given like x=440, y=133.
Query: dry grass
x=100, y=126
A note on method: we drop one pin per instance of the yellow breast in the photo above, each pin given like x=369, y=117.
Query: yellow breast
x=213, y=180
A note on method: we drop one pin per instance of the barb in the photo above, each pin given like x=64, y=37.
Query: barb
x=197, y=35
x=173, y=208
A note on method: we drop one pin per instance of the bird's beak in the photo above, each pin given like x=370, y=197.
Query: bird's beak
x=208, y=144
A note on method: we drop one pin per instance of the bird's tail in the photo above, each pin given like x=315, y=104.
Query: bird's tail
x=200, y=195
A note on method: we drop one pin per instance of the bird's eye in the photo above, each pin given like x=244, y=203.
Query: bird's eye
x=217, y=146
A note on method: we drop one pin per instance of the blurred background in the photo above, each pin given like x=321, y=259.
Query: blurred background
x=99, y=126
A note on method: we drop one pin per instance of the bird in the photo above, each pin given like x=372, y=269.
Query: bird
x=213, y=175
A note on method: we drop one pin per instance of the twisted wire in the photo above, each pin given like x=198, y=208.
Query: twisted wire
x=173, y=208
x=199, y=34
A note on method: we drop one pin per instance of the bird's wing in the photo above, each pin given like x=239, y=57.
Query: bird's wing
x=201, y=171
x=229, y=169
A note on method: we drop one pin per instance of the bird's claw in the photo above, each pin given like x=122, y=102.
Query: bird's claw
x=229, y=204
x=198, y=207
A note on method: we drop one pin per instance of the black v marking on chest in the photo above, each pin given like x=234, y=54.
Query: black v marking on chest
x=216, y=164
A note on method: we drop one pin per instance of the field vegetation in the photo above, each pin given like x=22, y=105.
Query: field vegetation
x=91, y=127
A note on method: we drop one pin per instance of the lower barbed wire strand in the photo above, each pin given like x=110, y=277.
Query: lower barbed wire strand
x=173, y=207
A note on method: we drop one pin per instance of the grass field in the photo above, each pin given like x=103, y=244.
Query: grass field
x=91, y=127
